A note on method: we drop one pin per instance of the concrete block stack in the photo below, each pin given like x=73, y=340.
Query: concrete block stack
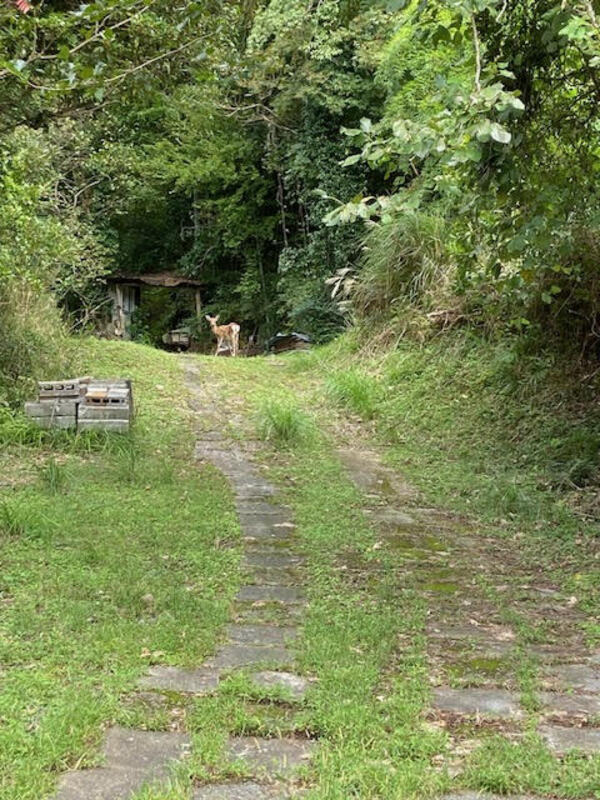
x=83, y=404
x=106, y=405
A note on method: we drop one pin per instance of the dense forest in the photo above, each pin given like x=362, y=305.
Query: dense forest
x=408, y=165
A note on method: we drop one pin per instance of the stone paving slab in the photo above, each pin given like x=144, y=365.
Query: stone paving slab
x=394, y=517
x=577, y=676
x=271, y=757
x=263, y=614
x=459, y=632
x=232, y=656
x=244, y=790
x=270, y=593
x=215, y=454
x=239, y=472
x=272, y=575
x=176, y=679
x=143, y=750
x=99, y=784
x=296, y=685
x=252, y=489
x=582, y=704
x=561, y=740
x=261, y=634
x=133, y=758
x=367, y=472
x=491, y=702
x=261, y=508
x=271, y=559
x=264, y=531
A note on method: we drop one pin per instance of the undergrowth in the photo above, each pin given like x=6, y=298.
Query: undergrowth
x=502, y=433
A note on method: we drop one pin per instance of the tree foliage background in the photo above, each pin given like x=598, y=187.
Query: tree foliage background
x=433, y=155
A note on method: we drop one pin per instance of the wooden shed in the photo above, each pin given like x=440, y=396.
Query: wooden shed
x=126, y=292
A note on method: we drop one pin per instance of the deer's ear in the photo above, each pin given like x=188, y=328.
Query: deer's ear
x=217, y=317
x=207, y=318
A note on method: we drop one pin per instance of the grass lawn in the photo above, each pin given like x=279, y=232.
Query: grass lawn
x=110, y=563
x=365, y=633
x=113, y=559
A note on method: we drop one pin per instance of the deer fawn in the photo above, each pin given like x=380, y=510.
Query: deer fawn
x=225, y=333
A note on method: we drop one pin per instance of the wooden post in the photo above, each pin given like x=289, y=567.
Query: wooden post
x=198, y=303
x=120, y=313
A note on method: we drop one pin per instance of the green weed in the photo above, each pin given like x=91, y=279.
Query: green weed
x=13, y=522
x=354, y=390
x=53, y=476
x=281, y=421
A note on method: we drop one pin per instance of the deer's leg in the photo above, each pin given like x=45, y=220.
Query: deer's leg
x=219, y=340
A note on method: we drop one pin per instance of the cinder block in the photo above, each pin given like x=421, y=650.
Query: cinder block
x=51, y=389
x=108, y=393
x=106, y=412
x=116, y=425
x=52, y=408
x=55, y=422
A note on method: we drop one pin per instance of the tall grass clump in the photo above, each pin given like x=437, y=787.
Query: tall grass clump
x=33, y=341
x=354, y=390
x=405, y=263
x=282, y=422
x=53, y=476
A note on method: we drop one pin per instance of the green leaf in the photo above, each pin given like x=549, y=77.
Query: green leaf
x=347, y=162
x=86, y=72
x=516, y=103
x=484, y=131
x=64, y=54
x=500, y=134
x=366, y=125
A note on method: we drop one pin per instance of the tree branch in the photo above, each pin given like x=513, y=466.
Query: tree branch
x=477, y=55
x=154, y=60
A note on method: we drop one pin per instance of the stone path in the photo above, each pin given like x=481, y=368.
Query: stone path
x=273, y=583
x=472, y=585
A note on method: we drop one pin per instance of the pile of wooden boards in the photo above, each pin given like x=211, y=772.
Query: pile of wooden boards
x=83, y=404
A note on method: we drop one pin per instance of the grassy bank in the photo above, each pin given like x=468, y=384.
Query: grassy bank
x=109, y=564
x=481, y=428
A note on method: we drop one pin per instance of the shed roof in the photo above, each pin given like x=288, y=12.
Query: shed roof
x=170, y=280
